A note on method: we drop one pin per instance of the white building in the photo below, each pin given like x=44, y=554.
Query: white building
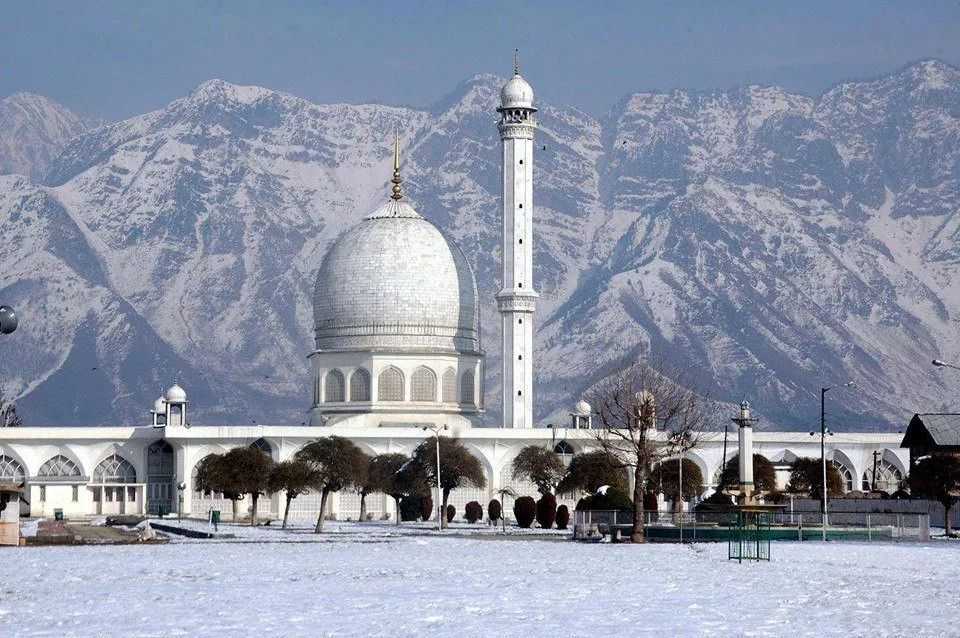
x=397, y=348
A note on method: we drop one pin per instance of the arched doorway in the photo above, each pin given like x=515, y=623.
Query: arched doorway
x=161, y=479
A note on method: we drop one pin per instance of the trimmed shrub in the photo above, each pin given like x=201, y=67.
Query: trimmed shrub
x=410, y=508
x=547, y=510
x=716, y=501
x=494, y=510
x=614, y=499
x=525, y=511
x=426, y=507
x=473, y=512
x=451, y=512
x=563, y=517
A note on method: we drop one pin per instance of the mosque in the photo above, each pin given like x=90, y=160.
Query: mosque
x=397, y=352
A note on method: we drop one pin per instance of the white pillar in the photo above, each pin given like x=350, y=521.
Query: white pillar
x=745, y=440
x=516, y=301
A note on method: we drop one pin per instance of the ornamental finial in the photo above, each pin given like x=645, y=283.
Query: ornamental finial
x=397, y=192
x=516, y=61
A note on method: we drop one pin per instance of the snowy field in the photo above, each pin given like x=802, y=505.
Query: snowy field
x=412, y=584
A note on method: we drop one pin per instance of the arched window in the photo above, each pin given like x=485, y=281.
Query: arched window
x=334, y=387
x=564, y=450
x=264, y=446
x=846, y=475
x=114, y=469
x=467, y=389
x=11, y=470
x=449, y=386
x=888, y=478
x=390, y=385
x=59, y=467
x=423, y=385
x=360, y=385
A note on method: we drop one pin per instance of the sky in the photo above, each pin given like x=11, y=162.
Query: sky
x=117, y=59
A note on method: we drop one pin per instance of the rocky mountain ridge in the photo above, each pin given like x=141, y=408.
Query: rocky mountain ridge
x=767, y=241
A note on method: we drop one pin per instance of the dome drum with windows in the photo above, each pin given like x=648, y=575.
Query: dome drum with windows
x=396, y=321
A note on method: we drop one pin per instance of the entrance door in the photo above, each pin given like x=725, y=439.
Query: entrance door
x=160, y=478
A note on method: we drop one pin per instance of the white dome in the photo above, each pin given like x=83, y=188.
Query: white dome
x=394, y=281
x=160, y=406
x=176, y=394
x=516, y=93
x=582, y=408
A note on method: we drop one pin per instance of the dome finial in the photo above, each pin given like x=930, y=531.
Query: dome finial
x=516, y=61
x=397, y=192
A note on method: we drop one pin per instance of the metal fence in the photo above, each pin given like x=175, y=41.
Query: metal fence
x=785, y=525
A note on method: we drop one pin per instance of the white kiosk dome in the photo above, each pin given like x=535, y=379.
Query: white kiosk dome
x=516, y=93
x=395, y=282
x=582, y=408
x=176, y=394
x=160, y=406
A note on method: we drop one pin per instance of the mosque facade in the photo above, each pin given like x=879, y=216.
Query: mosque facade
x=397, y=354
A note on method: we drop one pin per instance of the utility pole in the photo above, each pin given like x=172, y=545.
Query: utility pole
x=823, y=456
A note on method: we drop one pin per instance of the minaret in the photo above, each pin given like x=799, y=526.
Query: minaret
x=517, y=299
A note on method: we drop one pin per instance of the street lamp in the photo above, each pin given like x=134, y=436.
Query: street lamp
x=436, y=429
x=823, y=455
x=180, y=488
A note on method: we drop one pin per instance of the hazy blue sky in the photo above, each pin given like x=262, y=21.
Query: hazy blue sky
x=118, y=59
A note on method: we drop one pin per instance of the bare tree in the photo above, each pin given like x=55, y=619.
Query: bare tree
x=8, y=415
x=644, y=414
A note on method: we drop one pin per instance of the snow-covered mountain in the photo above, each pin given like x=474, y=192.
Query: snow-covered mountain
x=769, y=242
x=33, y=131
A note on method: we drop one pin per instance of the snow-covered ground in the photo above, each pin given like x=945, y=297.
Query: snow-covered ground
x=422, y=585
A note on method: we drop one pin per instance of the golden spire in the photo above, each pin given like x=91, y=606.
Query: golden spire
x=516, y=61
x=397, y=193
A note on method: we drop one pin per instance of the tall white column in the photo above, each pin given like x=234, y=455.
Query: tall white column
x=746, y=453
x=517, y=299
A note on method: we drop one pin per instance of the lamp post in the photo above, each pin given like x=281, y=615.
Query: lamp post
x=823, y=456
x=180, y=488
x=436, y=429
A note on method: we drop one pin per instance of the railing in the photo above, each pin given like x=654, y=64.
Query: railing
x=784, y=525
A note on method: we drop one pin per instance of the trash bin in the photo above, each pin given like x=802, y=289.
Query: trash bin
x=58, y=514
x=215, y=517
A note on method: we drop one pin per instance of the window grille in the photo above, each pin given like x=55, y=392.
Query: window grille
x=467, y=388
x=114, y=469
x=264, y=446
x=888, y=478
x=360, y=385
x=334, y=387
x=390, y=385
x=59, y=466
x=11, y=470
x=423, y=385
x=846, y=475
x=449, y=385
